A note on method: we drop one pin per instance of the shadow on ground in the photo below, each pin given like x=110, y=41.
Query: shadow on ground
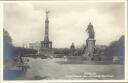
x=38, y=77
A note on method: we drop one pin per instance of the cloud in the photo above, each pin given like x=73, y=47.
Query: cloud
x=25, y=22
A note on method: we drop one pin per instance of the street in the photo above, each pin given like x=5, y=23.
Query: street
x=50, y=69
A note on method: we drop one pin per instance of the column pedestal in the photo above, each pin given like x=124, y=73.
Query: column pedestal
x=90, y=48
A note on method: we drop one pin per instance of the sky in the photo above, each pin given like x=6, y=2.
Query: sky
x=25, y=22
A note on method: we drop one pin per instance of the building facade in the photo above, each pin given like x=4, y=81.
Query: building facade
x=35, y=45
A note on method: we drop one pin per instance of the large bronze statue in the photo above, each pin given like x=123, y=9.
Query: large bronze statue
x=90, y=31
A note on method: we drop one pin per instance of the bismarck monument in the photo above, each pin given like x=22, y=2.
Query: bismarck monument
x=46, y=45
x=90, y=43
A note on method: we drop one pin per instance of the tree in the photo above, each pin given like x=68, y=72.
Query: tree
x=7, y=46
x=116, y=48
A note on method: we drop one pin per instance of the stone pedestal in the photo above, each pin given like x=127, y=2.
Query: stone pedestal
x=46, y=48
x=90, y=48
x=46, y=52
x=46, y=44
x=90, y=43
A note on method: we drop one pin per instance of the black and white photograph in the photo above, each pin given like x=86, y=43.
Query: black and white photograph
x=64, y=40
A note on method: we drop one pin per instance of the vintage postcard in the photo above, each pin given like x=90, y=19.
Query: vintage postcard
x=65, y=41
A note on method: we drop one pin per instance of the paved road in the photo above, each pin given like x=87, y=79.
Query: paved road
x=52, y=70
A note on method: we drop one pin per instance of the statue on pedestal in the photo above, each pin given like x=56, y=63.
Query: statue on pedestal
x=90, y=31
x=90, y=42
